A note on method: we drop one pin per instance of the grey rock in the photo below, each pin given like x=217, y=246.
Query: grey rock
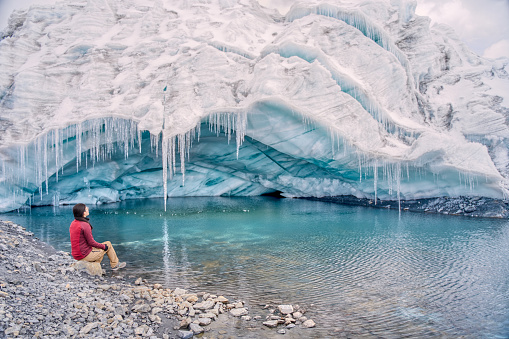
x=271, y=323
x=308, y=323
x=205, y=305
x=141, y=308
x=87, y=328
x=179, y=291
x=238, y=312
x=285, y=309
x=185, y=334
x=197, y=329
x=204, y=321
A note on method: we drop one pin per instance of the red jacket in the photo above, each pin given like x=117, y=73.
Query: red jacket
x=82, y=240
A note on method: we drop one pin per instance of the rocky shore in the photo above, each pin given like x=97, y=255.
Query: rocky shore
x=466, y=206
x=42, y=295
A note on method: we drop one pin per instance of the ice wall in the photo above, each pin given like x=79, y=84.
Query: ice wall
x=103, y=100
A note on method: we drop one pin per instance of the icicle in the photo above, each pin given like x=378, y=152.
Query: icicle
x=165, y=168
x=78, y=146
x=360, y=167
x=182, y=152
x=139, y=138
x=240, y=127
x=398, y=184
x=375, y=178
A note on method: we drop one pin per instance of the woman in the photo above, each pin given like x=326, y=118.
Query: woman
x=83, y=245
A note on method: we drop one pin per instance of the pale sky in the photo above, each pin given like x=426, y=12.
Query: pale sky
x=482, y=24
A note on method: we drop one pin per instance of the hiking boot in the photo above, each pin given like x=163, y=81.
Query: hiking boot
x=119, y=265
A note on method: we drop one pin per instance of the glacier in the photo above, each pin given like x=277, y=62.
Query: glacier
x=102, y=101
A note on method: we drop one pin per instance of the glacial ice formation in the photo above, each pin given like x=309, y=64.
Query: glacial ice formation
x=104, y=100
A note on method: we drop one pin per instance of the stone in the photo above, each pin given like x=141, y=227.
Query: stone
x=208, y=315
x=470, y=209
x=92, y=268
x=138, y=281
x=238, y=312
x=245, y=318
x=89, y=327
x=197, y=329
x=184, y=323
x=282, y=331
x=204, y=321
x=185, y=334
x=289, y=320
x=290, y=326
x=158, y=286
x=179, y=291
x=192, y=298
x=297, y=315
x=205, y=305
x=271, y=323
x=141, y=330
x=144, y=308
x=156, y=310
x=308, y=323
x=222, y=299
x=239, y=304
x=285, y=309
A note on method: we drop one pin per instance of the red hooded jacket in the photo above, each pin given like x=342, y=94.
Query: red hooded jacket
x=82, y=240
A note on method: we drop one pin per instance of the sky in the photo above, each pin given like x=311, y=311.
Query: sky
x=482, y=24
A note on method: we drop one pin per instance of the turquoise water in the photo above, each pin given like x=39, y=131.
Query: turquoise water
x=366, y=272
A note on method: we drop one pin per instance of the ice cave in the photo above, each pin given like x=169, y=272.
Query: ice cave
x=103, y=101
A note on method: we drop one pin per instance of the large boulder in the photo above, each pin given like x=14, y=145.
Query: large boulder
x=92, y=268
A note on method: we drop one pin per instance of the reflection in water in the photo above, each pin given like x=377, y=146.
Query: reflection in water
x=366, y=272
x=166, y=253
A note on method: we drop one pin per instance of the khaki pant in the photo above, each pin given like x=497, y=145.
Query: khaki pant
x=97, y=255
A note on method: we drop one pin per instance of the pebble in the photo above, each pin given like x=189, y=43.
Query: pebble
x=271, y=323
x=308, y=323
x=238, y=312
x=285, y=309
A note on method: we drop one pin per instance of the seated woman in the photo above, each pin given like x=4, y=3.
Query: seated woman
x=83, y=245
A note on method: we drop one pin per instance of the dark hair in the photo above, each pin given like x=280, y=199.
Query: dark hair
x=78, y=210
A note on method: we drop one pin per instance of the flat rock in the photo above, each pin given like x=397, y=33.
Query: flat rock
x=92, y=268
x=185, y=334
x=285, y=309
x=205, y=305
x=179, y=291
x=197, y=329
x=271, y=323
x=204, y=321
x=89, y=327
x=238, y=312
x=308, y=323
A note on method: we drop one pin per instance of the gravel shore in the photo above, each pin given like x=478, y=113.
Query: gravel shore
x=43, y=296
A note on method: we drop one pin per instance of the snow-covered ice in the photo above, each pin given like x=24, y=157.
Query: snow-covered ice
x=105, y=100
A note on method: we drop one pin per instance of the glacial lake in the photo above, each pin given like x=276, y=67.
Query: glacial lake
x=360, y=271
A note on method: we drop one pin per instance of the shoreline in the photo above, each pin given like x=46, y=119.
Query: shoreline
x=43, y=296
x=475, y=207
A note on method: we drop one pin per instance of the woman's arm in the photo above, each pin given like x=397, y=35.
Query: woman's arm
x=87, y=233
